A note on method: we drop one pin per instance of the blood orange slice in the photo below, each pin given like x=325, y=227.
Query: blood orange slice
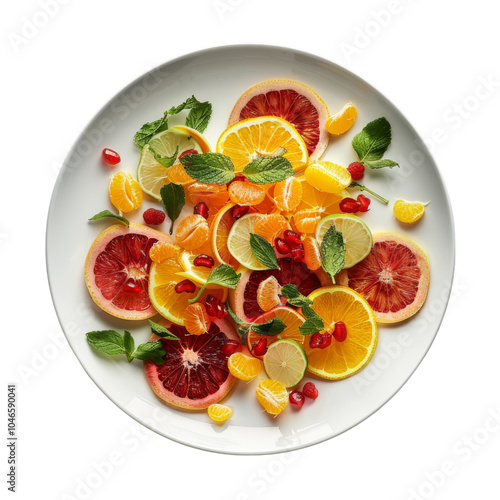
x=243, y=299
x=294, y=102
x=117, y=270
x=393, y=278
x=195, y=372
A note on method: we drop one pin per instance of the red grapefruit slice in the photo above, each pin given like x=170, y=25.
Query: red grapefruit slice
x=243, y=299
x=393, y=278
x=294, y=102
x=117, y=270
x=195, y=372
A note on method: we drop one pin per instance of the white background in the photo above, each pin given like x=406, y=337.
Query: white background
x=438, y=437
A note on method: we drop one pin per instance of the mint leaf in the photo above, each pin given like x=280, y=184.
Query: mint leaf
x=149, y=130
x=380, y=164
x=294, y=297
x=199, y=116
x=222, y=275
x=189, y=103
x=364, y=188
x=372, y=142
x=271, y=328
x=237, y=320
x=313, y=322
x=150, y=351
x=211, y=168
x=161, y=331
x=107, y=341
x=166, y=161
x=243, y=332
x=129, y=344
x=332, y=252
x=174, y=199
x=267, y=170
x=107, y=213
x=263, y=251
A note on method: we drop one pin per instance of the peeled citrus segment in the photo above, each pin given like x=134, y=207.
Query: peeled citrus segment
x=219, y=413
x=287, y=194
x=177, y=174
x=124, y=192
x=238, y=241
x=192, y=232
x=268, y=293
x=357, y=236
x=342, y=121
x=263, y=136
x=219, y=232
x=244, y=367
x=152, y=176
x=171, y=305
x=196, y=319
x=162, y=250
x=342, y=359
x=195, y=374
x=409, y=211
x=272, y=395
x=327, y=176
x=312, y=254
x=271, y=226
x=293, y=101
x=213, y=195
x=393, y=278
x=246, y=193
x=117, y=270
x=286, y=362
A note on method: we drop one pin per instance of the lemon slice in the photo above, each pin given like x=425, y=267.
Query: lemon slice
x=286, y=362
x=357, y=236
x=238, y=242
x=151, y=175
x=409, y=211
x=197, y=274
x=327, y=176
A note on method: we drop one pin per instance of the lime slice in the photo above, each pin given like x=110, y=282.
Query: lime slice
x=286, y=362
x=151, y=175
x=238, y=242
x=357, y=236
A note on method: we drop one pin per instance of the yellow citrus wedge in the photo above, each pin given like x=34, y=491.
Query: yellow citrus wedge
x=124, y=192
x=409, y=211
x=343, y=120
x=219, y=413
x=272, y=395
x=327, y=176
x=244, y=367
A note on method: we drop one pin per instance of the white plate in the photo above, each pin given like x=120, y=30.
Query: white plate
x=221, y=75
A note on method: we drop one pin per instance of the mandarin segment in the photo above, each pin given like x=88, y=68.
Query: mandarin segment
x=246, y=193
x=196, y=319
x=271, y=226
x=409, y=211
x=244, y=367
x=192, y=232
x=268, y=293
x=312, y=254
x=342, y=121
x=219, y=413
x=124, y=192
x=162, y=250
x=288, y=194
x=177, y=175
x=272, y=395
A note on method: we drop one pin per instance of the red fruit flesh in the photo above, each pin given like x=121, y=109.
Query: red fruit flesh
x=230, y=348
x=310, y=390
x=195, y=372
x=260, y=348
x=357, y=170
x=215, y=307
x=349, y=205
x=153, y=217
x=185, y=286
x=201, y=208
x=281, y=246
x=297, y=398
x=111, y=157
x=188, y=152
x=239, y=211
x=364, y=203
x=320, y=340
x=204, y=260
x=340, y=331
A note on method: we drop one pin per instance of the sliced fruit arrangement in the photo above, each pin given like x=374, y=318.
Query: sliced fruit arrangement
x=269, y=275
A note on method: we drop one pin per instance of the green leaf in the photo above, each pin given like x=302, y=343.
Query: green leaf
x=267, y=170
x=107, y=213
x=174, y=199
x=222, y=275
x=107, y=341
x=293, y=296
x=243, y=332
x=149, y=130
x=161, y=331
x=211, y=168
x=313, y=322
x=263, y=251
x=166, y=161
x=372, y=142
x=150, y=351
x=380, y=164
x=129, y=344
x=271, y=328
x=199, y=116
x=237, y=320
x=364, y=188
x=332, y=252
x=189, y=103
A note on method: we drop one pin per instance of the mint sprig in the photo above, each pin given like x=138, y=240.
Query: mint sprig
x=161, y=331
x=107, y=213
x=294, y=297
x=332, y=251
x=174, y=199
x=211, y=168
x=272, y=327
x=222, y=275
x=150, y=129
x=263, y=251
x=268, y=170
x=112, y=343
x=372, y=142
x=313, y=322
x=166, y=161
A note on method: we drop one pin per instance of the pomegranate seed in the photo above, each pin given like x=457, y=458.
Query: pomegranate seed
x=230, y=347
x=296, y=398
x=320, y=340
x=350, y=205
x=204, y=260
x=188, y=152
x=364, y=203
x=260, y=348
x=298, y=253
x=310, y=390
x=292, y=239
x=239, y=211
x=185, y=286
x=111, y=157
x=357, y=170
x=281, y=246
x=215, y=307
x=340, y=331
x=201, y=208
x=241, y=178
x=131, y=286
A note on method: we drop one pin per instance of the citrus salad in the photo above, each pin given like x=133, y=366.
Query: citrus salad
x=256, y=262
